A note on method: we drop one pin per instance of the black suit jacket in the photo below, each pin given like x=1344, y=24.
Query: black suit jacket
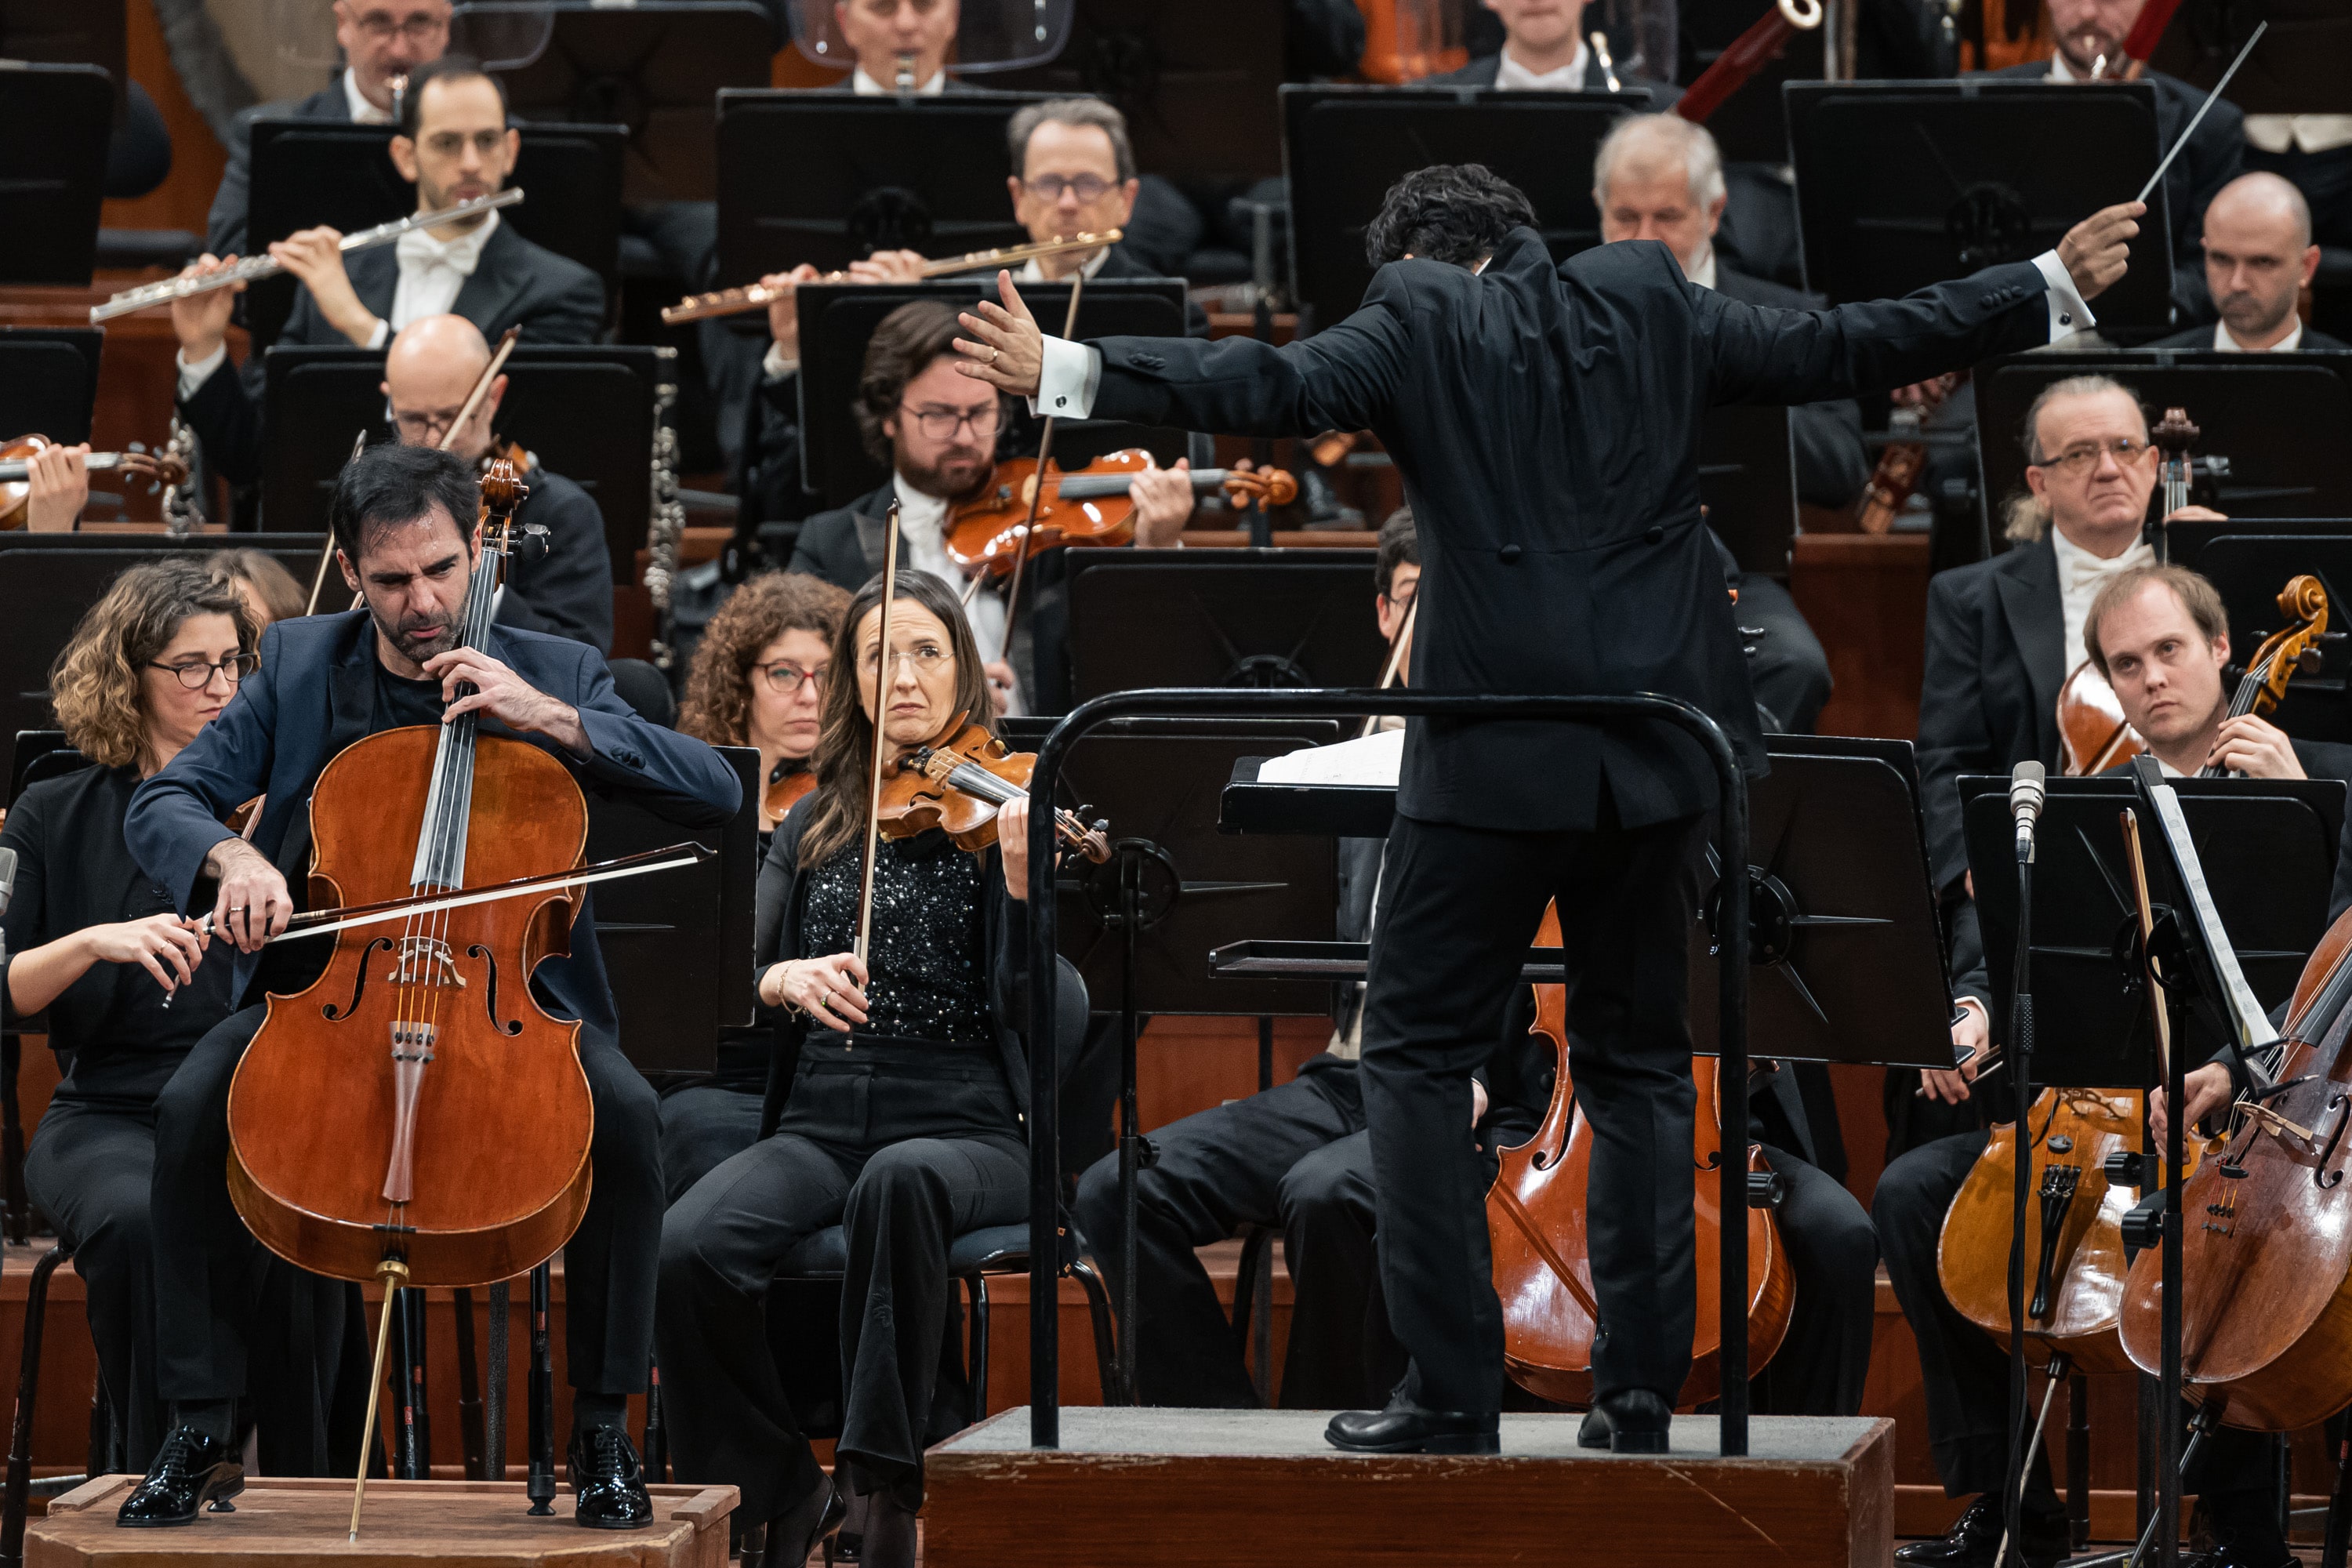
x=1481, y=71
x=1545, y=423
x=1832, y=464
x=2202, y=338
x=844, y=546
x=2215, y=155
x=515, y=284
x=225, y=233
x=563, y=584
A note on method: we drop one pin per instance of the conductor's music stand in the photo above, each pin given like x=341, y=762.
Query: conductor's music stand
x=55, y=120
x=652, y=70
x=837, y=320
x=48, y=382
x=1343, y=147
x=586, y=411
x=1225, y=617
x=2250, y=562
x=1747, y=482
x=1902, y=184
x=827, y=178
x=2274, y=416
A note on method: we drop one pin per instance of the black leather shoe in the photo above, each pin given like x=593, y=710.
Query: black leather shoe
x=190, y=1470
x=1630, y=1421
x=1408, y=1429
x=1974, y=1541
x=608, y=1485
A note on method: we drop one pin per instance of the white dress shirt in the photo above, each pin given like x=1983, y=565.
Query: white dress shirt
x=363, y=111
x=2081, y=575
x=864, y=86
x=1034, y=271
x=1513, y=76
x=922, y=543
x=2278, y=133
x=2225, y=343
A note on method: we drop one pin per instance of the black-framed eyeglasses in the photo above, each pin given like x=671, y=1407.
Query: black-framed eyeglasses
x=784, y=679
x=942, y=423
x=422, y=28
x=417, y=425
x=195, y=677
x=1085, y=187
x=2080, y=456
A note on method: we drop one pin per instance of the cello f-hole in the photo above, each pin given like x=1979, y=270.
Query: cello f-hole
x=2323, y=1177
x=359, y=984
x=490, y=992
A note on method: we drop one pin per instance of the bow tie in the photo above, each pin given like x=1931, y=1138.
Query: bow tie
x=2086, y=571
x=417, y=248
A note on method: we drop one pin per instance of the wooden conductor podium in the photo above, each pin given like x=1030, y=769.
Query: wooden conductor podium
x=480, y=1524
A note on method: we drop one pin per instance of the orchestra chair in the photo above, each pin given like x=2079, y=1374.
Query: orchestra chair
x=17, y=1489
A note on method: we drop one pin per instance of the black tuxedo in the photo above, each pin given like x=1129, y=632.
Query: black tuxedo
x=2202, y=338
x=225, y=232
x=1545, y=421
x=515, y=284
x=2215, y=156
x=562, y=585
x=844, y=546
x=1481, y=71
x=1825, y=438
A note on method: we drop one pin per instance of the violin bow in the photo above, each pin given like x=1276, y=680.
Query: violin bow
x=481, y=386
x=1397, y=645
x=2144, y=913
x=881, y=718
x=1037, y=485
x=327, y=550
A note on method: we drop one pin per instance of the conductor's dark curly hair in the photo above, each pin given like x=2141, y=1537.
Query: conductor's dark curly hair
x=1447, y=212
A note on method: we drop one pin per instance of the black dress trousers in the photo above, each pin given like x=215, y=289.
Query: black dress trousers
x=906, y=1146
x=1834, y=1259
x=702, y=1126
x=203, y=1250
x=1217, y=1171
x=1459, y=908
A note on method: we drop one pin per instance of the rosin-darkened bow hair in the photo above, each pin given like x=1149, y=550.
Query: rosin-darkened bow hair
x=1447, y=212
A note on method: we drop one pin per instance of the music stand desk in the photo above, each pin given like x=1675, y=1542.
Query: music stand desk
x=1225, y=617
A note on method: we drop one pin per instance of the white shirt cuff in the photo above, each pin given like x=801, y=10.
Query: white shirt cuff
x=382, y=335
x=192, y=377
x=775, y=366
x=1067, y=380
x=2068, y=313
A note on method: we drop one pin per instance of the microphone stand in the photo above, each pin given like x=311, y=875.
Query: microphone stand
x=2021, y=1035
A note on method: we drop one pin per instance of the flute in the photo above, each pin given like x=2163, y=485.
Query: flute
x=730, y=301
x=148, y=295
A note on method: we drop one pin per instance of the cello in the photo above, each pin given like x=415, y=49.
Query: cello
x=1536, y=1229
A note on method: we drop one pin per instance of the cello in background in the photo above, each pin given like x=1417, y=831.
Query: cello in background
x=1543, y=1267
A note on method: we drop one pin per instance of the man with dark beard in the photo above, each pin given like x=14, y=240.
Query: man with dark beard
x=404, y=535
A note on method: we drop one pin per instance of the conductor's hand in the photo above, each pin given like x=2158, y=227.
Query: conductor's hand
x=316, y=257
x=1969, y=1035
x=831, y=990
x=506, y=696
x=784, y=310
x=252, y=905
x=2094, y=249
x=1011, y=353
x=201, y=320
x=2204, y=1089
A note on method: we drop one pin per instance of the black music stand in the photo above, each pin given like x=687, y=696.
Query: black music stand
x=1343, y=147
x=675, y=986
x=312, y=172
x=1196, y=81
x=55, y=120
x=47, y=580
x=826, y=177
x=1227, y=617
x=651, y=70
x=49, y=381
x=1746, y=481
x=837, y=319
x=2250, y=562
x=2274, y=416
x=2268, y=848
x=585, y=411
x=1902, y=184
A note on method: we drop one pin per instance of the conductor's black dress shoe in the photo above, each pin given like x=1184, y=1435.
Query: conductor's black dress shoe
x=1408, y=1429
x=608, y=1485
x=1630, y=1421
x=192, y=1469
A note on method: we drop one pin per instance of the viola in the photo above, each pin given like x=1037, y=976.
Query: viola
x=957, y=784
x=1536, y=1223
x=785, y=792
x=1077, y=506
x=15, y=473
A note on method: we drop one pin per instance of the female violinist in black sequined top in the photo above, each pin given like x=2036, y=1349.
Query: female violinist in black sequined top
x=904, y=1124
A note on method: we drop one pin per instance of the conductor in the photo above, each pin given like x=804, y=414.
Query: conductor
x=1545, y=420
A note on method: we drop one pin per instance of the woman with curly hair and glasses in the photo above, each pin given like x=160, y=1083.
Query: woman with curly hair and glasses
x=93, y=942
x=759, y=675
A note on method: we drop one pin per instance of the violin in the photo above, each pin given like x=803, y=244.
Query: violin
x=16, y=468
x=1077, y=506
x=1902, y=461
x=956, y=784
x=784, y=792
x=1537, y=1229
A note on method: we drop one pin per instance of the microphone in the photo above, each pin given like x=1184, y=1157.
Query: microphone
x=2026, y=793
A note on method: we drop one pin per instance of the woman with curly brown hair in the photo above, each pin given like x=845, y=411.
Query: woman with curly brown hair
x=759, y=671
x=94, y=942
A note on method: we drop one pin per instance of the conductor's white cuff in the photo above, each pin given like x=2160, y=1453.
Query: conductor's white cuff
x=1067, y=380
x=2068, y=313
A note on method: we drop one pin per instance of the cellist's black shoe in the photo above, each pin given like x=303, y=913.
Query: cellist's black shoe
x=192, y=1469
x=1404, y=1428
x=1630, y=1421
x=1974, y=1540
x=608, y=1485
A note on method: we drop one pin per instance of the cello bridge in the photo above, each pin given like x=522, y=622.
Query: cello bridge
x=424, y=961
